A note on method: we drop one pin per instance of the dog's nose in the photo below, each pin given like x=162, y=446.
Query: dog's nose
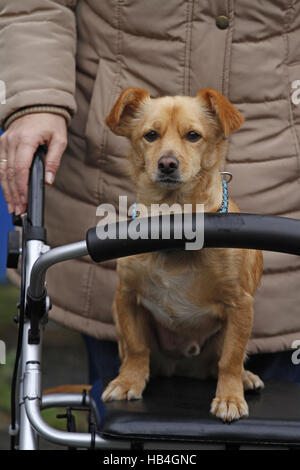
x=167, y=164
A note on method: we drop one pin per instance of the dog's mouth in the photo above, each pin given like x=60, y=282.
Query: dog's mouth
x=168, y=181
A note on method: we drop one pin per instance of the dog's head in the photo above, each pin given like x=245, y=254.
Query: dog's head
x=173, y=138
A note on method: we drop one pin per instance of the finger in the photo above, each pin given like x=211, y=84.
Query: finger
x=4, y=185
x=24, y=156
x=56, y=148
x=11, y=174
x=4, y=182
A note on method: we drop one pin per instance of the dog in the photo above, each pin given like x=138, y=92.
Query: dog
x=180, y=312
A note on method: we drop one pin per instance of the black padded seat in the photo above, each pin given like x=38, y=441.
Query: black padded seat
x=178, y=409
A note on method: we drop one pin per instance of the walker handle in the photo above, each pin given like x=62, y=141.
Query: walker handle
x=233, y=230
x=35, y=209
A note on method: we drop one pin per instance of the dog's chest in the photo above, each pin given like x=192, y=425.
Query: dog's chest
x=167, y=297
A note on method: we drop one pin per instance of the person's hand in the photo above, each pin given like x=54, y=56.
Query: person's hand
x=17, y=147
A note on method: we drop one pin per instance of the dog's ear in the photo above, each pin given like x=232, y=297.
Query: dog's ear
x=125, y=109
x=230, y=118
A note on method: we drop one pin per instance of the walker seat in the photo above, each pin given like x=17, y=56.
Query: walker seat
x=177, y=409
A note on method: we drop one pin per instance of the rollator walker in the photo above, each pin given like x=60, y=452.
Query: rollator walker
x=174, y=412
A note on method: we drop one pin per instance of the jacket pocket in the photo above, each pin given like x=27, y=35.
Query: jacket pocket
x=99, y=139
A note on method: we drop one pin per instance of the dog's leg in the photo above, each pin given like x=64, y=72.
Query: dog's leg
x=229, y=403
x=132, y=324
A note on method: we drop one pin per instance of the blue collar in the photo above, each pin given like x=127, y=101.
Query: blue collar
x=133, y=216
x=224, y=206
x=222, y=210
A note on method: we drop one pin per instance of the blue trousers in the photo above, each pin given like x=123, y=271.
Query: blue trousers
x=104, y=362
x=275, y=366
x=103, y=359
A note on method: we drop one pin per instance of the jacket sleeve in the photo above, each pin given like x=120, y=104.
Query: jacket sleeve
x=37, y=56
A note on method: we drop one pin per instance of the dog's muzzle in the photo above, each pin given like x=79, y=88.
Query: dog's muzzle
x=168, y=170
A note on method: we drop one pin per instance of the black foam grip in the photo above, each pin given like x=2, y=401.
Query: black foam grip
x=233, y=230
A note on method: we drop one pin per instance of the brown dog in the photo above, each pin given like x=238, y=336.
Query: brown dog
x=191, y=311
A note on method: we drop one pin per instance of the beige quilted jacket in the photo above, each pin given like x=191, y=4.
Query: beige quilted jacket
x=70, y=55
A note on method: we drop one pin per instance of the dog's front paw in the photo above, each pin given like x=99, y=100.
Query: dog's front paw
x=252, y=381
x=120, y=389
x=229, y=408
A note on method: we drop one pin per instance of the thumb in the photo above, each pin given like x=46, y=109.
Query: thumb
x=56, y=147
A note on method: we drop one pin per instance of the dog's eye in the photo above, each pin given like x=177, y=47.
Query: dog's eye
x=151, y=136
x=192, y=136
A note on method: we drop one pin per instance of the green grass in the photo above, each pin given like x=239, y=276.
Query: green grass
x=8, y=333
x=50, y=417
x=8, y=305
x=5, y=381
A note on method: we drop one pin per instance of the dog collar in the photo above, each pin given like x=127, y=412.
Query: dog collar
x=133, y=215
x=224, y=206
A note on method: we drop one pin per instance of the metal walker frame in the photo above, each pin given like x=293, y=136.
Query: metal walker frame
x=229, y=230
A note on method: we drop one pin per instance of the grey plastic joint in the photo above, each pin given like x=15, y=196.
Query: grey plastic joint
x=32, y=381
